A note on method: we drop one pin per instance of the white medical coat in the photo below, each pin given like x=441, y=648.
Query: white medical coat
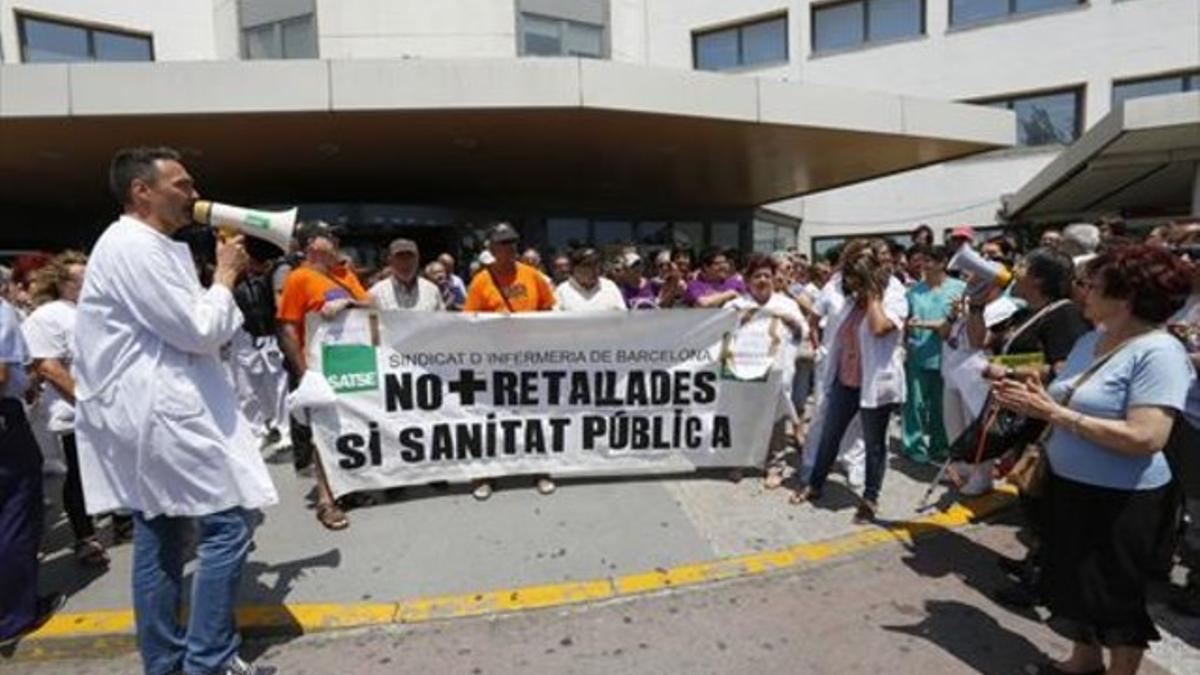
x=157, y=421
x=882, y=357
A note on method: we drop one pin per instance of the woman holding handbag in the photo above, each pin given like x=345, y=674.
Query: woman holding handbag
x=1110, y=412
x=1045, y=329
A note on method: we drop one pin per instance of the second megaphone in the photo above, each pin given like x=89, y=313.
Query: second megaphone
x=984, y=273
x=273, y=226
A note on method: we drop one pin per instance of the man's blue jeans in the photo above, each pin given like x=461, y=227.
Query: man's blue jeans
x=842, y=404
x=210, y=639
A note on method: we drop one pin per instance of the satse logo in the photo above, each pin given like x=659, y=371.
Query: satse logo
x=350, y=368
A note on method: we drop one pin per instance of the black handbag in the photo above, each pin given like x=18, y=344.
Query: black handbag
x=996, y=431
x=993, y=433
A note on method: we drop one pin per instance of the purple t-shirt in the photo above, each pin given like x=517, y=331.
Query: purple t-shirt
x=698, y=288
x=644, y=296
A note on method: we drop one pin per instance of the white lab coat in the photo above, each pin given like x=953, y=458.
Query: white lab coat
x=882, y=357
x=260, y=379
x=157, y=420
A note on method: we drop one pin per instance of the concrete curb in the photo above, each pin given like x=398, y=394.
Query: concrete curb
x=105, y=633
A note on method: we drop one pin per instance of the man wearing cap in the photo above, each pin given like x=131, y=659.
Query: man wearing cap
x=404, y=288
x=504, y=284
x=322, y=285
x=638, y=291
x=963, y=234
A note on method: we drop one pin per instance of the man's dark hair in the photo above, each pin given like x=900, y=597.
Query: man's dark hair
x=710, y=254
x=1052, y=270
x=1006, y=245
x=585, y=257
x=135, y=163
x=937, y=253
x=918, y=249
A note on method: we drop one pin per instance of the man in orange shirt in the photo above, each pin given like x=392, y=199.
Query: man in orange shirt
x=508, y=285
x=320, y=284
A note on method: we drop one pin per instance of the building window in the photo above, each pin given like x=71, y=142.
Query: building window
x=769, y=237
x=964, y=12
x=842, y=25
x=1155, y=86
x=1047, y=118
x=52, y=41
x=756, y=43
x=291, y=39
x=547, y=36
x=278, y=29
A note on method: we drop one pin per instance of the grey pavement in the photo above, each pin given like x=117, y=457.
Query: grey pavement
x=429, y=543
x=917, y=609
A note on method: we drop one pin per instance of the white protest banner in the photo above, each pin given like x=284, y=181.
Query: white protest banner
x=457, y=397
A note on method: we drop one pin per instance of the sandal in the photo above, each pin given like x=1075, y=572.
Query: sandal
x=332, y=517
x=90, y=553
x=774, y=478
x=804, y=494
x=122, y=529
x=865, y=512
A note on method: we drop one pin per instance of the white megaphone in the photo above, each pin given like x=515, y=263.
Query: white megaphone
x=273, y=226
x=984, y=273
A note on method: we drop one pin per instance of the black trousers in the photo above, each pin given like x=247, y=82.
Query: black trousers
x=301, y=433
x=72, y=495
x=20, y=519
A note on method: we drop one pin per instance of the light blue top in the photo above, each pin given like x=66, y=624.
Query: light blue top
x=1152, y=370
x=12, y=352
x=930, y=304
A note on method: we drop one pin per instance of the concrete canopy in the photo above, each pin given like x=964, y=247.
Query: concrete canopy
x=1140, y=159
x=500, y=133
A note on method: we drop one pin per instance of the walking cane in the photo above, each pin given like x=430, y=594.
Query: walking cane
x=979, y=448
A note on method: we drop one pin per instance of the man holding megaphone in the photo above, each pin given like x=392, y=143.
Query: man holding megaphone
x=984, y=274
x=157, y=421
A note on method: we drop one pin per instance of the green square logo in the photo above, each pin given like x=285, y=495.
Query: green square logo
x=350, y=368
x=258, y=220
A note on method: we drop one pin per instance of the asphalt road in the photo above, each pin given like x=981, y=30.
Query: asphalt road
x=920, y=609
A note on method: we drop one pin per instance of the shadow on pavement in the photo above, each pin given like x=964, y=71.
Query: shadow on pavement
x=921, y=473
x=951, y=553
x=265, y=588
x=973, y=637
x=1170, y=620
x=58, y=570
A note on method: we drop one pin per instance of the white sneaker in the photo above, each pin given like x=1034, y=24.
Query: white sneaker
x=546, y=486
x=483, y=490
x=980, y=482
x=956, y=473
x=237, y=666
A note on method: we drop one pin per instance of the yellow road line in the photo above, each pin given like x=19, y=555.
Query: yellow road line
x=102, y=631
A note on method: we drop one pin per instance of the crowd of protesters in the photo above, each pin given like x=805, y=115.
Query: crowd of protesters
x=1086, y=343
